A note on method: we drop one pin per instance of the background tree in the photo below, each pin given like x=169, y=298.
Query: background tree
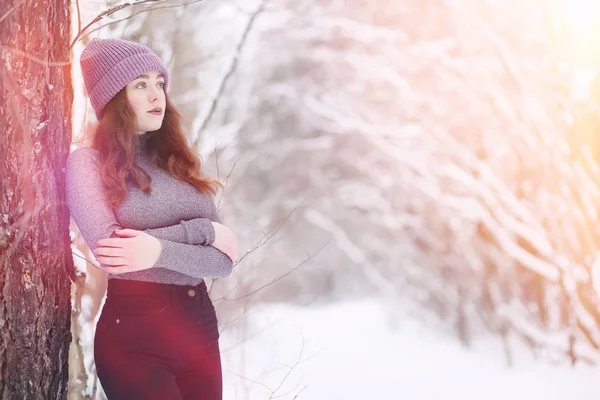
x=36, y=263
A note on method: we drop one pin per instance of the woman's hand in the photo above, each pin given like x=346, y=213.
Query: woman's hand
x=225, y=241
x=133, y=251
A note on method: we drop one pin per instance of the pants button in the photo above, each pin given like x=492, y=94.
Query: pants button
x=117, y=321
x=191, y=292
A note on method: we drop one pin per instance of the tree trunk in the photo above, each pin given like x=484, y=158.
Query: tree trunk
x=36, y=263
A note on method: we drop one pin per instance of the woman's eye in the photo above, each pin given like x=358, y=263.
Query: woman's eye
x=161, y=84
x=140, y=84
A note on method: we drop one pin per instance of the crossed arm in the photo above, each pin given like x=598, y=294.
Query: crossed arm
x=182, y=247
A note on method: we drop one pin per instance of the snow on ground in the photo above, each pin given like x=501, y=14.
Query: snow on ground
x=350, y=352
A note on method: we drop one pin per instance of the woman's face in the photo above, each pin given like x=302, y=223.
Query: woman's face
x=146, y=96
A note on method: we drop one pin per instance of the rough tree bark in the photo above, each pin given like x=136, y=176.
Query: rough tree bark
x=36, y=264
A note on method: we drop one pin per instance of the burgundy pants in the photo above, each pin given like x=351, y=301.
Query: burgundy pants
x=158, y=341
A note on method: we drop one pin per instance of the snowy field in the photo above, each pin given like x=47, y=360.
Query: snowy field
x=349, y=352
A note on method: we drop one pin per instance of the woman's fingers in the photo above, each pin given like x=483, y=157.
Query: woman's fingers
x=112, y=242
x=109, y=251
x=111, y=256
x=112, y=261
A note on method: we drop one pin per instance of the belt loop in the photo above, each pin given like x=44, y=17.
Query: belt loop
x=172, y=294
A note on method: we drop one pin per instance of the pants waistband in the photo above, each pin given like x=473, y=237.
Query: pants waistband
x=126, y=287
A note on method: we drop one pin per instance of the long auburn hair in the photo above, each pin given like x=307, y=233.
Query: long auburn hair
x=167, y=147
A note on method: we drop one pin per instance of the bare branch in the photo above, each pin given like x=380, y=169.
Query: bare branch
x=228, y=73
x=78, y=16
x=14, y=50
x=291, y=368
x=140, y=12
x=10, y=11
x=298, y=362
x=86, y=260
x=108, y=12
x=264, y=240
x=308, y=258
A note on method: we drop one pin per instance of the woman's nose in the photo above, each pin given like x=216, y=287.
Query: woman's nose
x=153, y=95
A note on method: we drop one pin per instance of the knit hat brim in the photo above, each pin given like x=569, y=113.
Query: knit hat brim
x=121, y=74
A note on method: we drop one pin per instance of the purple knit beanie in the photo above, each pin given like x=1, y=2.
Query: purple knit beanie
x=108, y=65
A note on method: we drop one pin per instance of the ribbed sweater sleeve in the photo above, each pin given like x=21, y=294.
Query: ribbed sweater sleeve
x=85, y=199
x=195, y=231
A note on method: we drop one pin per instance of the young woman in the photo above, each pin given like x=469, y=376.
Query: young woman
x=146, y=211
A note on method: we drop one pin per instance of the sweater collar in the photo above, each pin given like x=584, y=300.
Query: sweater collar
x=139, y=143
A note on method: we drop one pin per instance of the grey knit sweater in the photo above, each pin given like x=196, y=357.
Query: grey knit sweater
x=175, y=213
